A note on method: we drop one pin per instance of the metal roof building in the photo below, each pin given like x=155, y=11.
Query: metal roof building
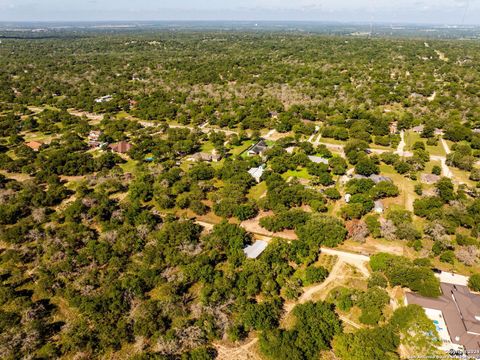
x=254, y=251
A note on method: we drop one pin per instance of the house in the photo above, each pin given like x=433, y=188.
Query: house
x=255, y=250
x=34, y=145
x=93, y=139
x=379, y=178
x=456, y=315
x=258, y=149
x=318, y=160
x=94, y=135
x=438, y=132
x=393, y=128
x=121, y=147
x=418, y=129
x=257, y=173
x=104, y=99
x=379, y=208
x=429, y=178
x=347, y=198
x=203, y=156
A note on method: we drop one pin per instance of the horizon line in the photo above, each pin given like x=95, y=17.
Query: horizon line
x=331, y=22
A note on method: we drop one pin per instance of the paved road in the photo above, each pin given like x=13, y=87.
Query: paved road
x=451, y=278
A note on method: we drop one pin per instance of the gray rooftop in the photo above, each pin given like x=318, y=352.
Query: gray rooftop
x=460, y=309
x=318, y=160
x=254, y=251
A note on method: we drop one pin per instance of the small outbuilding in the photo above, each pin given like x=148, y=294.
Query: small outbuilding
x=104, y=99
x=256, y=249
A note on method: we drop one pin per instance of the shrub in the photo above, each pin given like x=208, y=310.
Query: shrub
x=474, y=282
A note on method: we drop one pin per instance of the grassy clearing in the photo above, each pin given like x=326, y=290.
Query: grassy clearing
x=332, y=141
x=301, y=174
x=257, y=191
x=130, y=166
x=412, y=137
x=38, y=136
x=123, y=115
x=237, y=150
x=207, y=147
x=405, y=185
x=381, y=147
x=461, y=176
x=436, y=150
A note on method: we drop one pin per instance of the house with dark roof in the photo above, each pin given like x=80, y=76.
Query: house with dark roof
x=456, y=315
x=258, y=149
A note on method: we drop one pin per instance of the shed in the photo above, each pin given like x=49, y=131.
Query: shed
x=256, y=249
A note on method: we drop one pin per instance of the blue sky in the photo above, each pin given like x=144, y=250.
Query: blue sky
x=398, y=11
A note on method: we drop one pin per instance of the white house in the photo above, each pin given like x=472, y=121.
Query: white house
x=318, y=160
x=257, y=173
x=104, y=99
